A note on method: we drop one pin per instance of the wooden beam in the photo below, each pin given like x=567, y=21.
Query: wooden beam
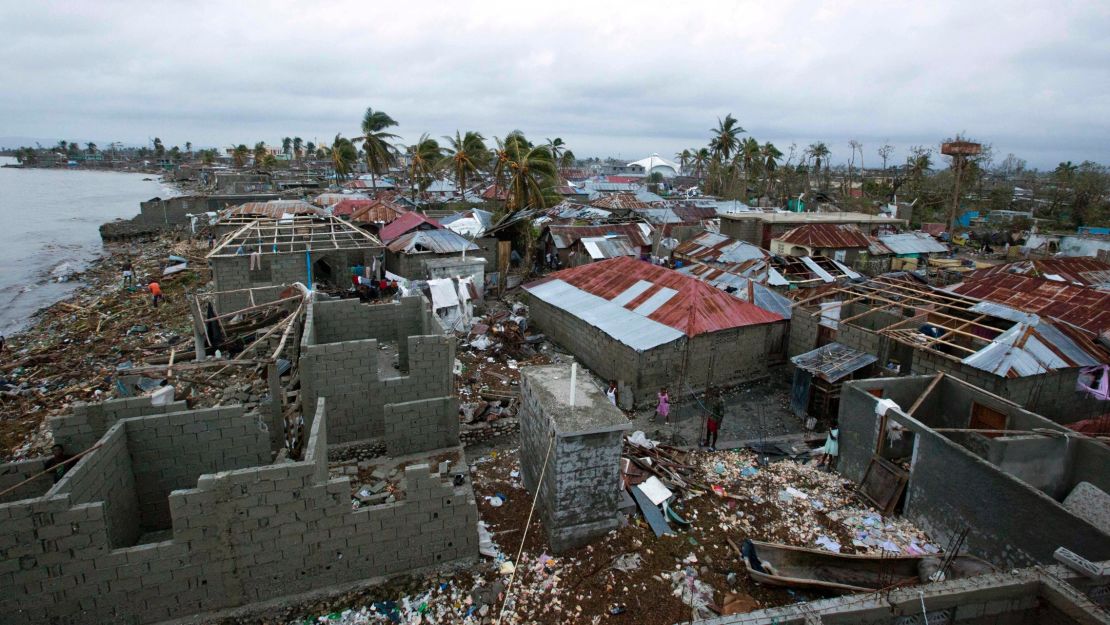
x=928, y=389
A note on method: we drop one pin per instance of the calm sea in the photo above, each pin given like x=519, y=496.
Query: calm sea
x=49, y=228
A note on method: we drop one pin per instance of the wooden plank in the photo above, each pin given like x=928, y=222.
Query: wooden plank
x=928, y=389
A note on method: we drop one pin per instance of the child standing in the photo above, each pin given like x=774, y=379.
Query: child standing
x=663, y=408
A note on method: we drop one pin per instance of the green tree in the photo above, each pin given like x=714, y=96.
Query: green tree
x=683, y=159
x=820, y=153
x=298, y=147
x=239, y=155
x=311, y=150
x=260, y=152
x=159, y=149
x=343, y=155
x=918, y=164
x=700, y=161
x=175, y=154
x=379, y=152
x=771, y=157
x=726, y=137
x=287, y=146
x=90, y=147
x=189, y=148
x=531, y=173
x=465, y=156
x=208, y=156
x=424, y=157
x=567, y=160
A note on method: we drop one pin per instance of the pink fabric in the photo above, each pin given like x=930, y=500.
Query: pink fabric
x=664, y=407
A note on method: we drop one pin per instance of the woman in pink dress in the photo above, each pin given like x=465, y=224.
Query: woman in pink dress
x=663, y=408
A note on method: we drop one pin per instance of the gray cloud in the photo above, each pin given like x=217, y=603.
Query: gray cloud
x=1031, y=78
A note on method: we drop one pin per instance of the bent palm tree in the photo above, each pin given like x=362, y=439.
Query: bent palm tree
x=726, y=136
x=343, y=156
x=424, y=156
x=298, y=146
x=770, y=155
x=466, y=154
x=260, y=152
x=380, y=154
x=531, y=172
x=239, y=154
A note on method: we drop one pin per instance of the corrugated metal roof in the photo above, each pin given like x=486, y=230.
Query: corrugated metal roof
x=565, y=236
x=438, y=241
x=912, y=243
x=1030, y=349
x=405, y=223
x=619, y=201
x=600, y=248
x=717, y=248
x=331, y=199
x=693, y=308
x=833, y=361
x=1082, y=271
x=1084, y=307
x=824, y=235
x=744, y=289
x=273, y=209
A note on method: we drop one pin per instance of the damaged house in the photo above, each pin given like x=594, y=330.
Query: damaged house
x=648, y=327
x=913, y=328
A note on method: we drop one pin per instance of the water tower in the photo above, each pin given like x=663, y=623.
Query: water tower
x=959, y=151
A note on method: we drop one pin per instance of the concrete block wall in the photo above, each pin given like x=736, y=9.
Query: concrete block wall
x=339, y=363
x=573, y=461
x=87, y=422
x=803, y=333
x=1011, y=523
x=422, y=425
x=239, y=537
x=169, y=452
x=13, y=473
x=232, y=273
x=456, y=266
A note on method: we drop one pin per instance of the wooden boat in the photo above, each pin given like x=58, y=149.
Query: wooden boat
x=799, y=567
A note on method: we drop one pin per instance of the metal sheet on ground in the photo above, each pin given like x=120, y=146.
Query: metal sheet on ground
x=651, y=513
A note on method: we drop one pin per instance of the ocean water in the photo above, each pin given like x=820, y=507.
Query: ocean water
x=49, y=229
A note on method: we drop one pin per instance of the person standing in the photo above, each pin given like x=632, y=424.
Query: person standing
x=128, y=273
x=663, y=407
x=831, y=449
x=713, y=423
x=59, y=459
x=611, y=392
x=155, y=294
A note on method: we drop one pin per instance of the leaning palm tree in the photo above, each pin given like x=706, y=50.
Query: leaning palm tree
x=287, y=146
x=239, y=154
x=700, y=160
x=771, y=156
x=726, y=137
x=531, y=172
x=343, y=155
x=466, y=155
x=90, y=147
x=424, y=157
x=260, y=152
x=298, y=147
x=208, y=156
x=683, y=158
x=379, y=152
x=749, y=153
x=567, y=160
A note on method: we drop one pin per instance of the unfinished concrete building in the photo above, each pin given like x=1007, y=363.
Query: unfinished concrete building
x=570, y=449
x=385, y=370
x=760, y=228
x=314, y=252
x=173, y=512
x=912, y=328
x=649, y=327
x=951, y=457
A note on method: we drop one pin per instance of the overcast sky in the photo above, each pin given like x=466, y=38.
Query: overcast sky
x=1032, y=78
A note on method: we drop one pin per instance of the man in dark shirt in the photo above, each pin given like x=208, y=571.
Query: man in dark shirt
x=58, y=463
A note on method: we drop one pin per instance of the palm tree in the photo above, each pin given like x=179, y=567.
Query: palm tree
x=73, y=149
x=726, y=137
x=750, y=154
x=311, y=150
x=567, y=160
x=287, y=146
x=298, y=146
x=918, y=164
x=260, y=152
x=700, y=160
x=239, y=155
x=531, y=171
x=424, y=156
x=820, y=154
x=683, y=158
x=343, y=155
x=62, y=145
x=208, y=156
x=90, y=147
x=466, y=154
x=380, y=154
x=159, y=149
x=770, y=155
x=189, y=148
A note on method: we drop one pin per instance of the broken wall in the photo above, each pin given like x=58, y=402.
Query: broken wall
x=1011, y=523
x=87, y=422
x=238, y=537
x=233, y=273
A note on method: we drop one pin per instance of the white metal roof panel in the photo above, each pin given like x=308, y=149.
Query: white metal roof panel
x=817, y=270
x=625, y=326
x=652, y=304
x=632, y=292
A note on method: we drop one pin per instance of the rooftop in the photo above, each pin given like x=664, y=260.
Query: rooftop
x=293, y=235
x=741, y=287
x=833, y=361
x=436, y=241
x=825, y=235
x=611, y=246
x=803, y=218
x=643, y=305
x=591, y=410
x=1077, y=270
x=565, y=236
x=619, y=201
x=712, y=247
x=1084, y=307
x=272, y=209
x=912, y=243
x=405, y=223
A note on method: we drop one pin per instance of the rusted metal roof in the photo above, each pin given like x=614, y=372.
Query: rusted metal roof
x=273, y=209
x=1084, y=307
x=406, y=223
x=611, y=246
x=377, y=211
x=619, y=201
x=565, y=236
x=331, y=199
x=711, y=247
x=1079, y=270
x=436, y=241
x=834, y=236
x=742, y=288
x=623, y=290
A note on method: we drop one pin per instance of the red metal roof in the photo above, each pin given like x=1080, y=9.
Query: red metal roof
x=1084, y=307
x=695, y=308
x=376, y=211
x=835, y=236
x=406, y=223
x=1083, y=270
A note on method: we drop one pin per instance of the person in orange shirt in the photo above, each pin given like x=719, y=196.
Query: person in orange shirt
x=156, y=293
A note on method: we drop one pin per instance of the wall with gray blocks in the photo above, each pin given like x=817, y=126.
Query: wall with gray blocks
x=579, y=492
x=18, y=473
x=422, y=425
x=87, y=422
x=233, y=273
x=239, y=537
x=721, y=358
x=1011, y=522
x=339, y=362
